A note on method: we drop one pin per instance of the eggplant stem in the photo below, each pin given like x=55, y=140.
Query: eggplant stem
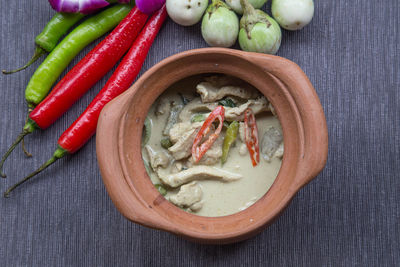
x=247, y=7
x=38, y=53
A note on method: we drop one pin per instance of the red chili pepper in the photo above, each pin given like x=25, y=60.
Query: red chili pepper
x=251, y=136
x=198, y=150
x=83, y=76
x=89, y=70
x=85, y=126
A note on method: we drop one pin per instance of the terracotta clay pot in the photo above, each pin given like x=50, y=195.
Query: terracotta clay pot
x=119, y=135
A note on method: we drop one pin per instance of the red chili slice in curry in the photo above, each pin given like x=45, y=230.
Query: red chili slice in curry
x=198, y=150
x=251, y=136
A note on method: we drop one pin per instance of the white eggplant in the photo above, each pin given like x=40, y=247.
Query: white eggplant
x=220, y=25
x=186, y=12
x=293, y=14
x=258, y=31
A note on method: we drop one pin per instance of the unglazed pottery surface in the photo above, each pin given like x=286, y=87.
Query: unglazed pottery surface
x=297, y=106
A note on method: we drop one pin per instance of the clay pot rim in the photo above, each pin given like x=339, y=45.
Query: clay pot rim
x=233, y=235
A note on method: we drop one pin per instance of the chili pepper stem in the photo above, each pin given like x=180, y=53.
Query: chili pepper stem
x=38, y=53
x=29, y=155
x=26, y=152
x=58, y=154
x=29, y=127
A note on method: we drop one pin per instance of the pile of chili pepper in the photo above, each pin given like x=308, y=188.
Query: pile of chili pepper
x=128, y=35
x=199, y=148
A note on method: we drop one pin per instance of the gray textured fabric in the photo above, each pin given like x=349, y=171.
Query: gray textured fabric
x=348, y=216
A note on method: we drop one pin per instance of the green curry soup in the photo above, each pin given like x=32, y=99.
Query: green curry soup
x=209, y=187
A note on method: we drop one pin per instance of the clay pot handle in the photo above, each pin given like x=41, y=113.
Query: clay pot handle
x=125, y=199
x=315, y=141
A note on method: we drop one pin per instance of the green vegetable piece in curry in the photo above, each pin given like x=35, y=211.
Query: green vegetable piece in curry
x=161, y=189
x=227, y=102
x=166, y=143
x=198, y=118
x=230, y=137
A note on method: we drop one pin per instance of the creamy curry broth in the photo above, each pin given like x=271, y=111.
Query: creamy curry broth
x=218, y=198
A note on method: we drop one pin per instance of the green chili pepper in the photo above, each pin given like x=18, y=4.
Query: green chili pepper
x=146, y=132
x=227, y=102
x=166, y=143
x=47, y=40
x=230, y=137
x=55, y=63
x=198, y=118
x=59, y=24
x=161, y=189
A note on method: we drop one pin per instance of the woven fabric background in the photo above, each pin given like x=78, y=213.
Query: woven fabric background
x=348, y=216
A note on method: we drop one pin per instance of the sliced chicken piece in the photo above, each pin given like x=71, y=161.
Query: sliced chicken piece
x=180, y=128
x=242, y=148
x=212, y=156
x=211, y=93
x=157, y=159
x=183, y=135
x=189, y=196
x=217, y=87
x=196, y=206
x=270, y=143
x=183, y=148
x=177, y=166
x=193, y=107
x=199, y=172
x=237, y=113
